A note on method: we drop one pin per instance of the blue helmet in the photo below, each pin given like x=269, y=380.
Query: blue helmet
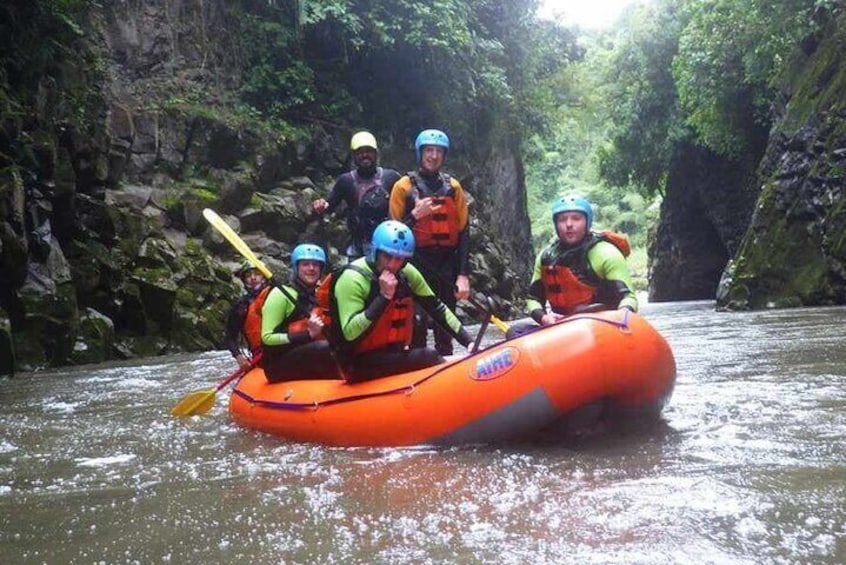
x=307, y=252
x=394, y=238
x=431, y=137
x=573, y=204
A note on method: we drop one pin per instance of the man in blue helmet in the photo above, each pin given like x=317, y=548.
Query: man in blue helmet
x=256, y=287
x=373, y=300
x=365, y=191
x=434, y=206
x=581, y=268
x=293, y=345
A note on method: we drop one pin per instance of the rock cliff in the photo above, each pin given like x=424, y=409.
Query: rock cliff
x=103, y=250
x=767, y=230
x=794, y=251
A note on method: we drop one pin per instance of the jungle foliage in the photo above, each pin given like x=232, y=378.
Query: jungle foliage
x=669, y=71
x=598, y=113
x=393, y=65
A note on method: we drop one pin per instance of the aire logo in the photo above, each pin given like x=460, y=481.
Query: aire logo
x=495, y=365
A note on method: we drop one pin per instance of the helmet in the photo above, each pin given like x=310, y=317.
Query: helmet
x=363, y=139
x=245, y=266
x=431, y=137
x=392, y=237
x=307, y=252
x=573, y=204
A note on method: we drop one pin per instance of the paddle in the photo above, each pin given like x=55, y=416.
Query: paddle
x=201, y=401
x=236, y=241
x=487, y=310
x=497, y=322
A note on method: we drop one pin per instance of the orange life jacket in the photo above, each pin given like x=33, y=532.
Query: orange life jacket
x=394, y=326
x=567, y=277
x=441, y=227
x=252, y=321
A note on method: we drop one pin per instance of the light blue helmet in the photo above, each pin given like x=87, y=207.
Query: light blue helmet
x=573, y=204
x=394, y=238
x=307, y=252
x=431, y=137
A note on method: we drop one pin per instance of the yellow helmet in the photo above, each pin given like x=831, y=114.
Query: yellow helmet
x=363, y=139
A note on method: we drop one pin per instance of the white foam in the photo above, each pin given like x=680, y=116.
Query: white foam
x=104, y=461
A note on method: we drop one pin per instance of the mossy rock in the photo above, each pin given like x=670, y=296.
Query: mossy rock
x=7, y=350
x=49, y=328
x=95, y=340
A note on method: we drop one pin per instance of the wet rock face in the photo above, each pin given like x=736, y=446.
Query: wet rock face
x=794, y=252
x=703, y=217
x=103, y=249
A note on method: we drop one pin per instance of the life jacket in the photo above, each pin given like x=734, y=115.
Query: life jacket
x=393, y=327
x=252, y=321
x=372, y=198
x=567, y=277
x=440, y=228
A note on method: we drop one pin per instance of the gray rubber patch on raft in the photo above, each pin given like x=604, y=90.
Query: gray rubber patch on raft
x=524, y=416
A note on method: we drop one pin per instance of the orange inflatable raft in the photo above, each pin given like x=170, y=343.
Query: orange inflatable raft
x=613, y=364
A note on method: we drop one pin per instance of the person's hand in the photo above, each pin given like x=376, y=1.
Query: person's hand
x=423, y=208
x=243, y=361
x=387, y=284
x=315, y=326
x=462, y=287
x=319, y=205
x=551, y=318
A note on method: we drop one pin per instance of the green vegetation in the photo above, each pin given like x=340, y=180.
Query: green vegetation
x=600, y=114
x=670, y=72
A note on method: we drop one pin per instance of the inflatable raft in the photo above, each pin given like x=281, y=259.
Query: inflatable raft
x=612, y=364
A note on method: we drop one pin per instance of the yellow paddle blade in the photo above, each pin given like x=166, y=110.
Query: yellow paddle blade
x=236, y=241
x=499, y=323
x=197, y=402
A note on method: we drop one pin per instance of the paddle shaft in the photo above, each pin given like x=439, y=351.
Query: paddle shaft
x=205, y=396
x=497, y=322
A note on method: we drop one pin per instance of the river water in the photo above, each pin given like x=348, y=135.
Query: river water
x=748, y=465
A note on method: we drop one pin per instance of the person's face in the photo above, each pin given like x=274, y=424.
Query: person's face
x=386, y=262
x=571, y=227
x=365, y=157
x=431, y=158
x=253, y=279
x=309, y=271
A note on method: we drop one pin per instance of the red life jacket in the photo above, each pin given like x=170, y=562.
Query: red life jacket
x=252, y=321
x=441, y=227
x=567, y=277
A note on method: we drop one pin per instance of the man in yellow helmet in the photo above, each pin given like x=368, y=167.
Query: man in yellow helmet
x=365, y=190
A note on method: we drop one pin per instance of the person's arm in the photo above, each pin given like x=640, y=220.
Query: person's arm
x=397, y=206
x=235, y=326
x=610, y=265
x=277, y=308
x=536, y=300
x=340, y=193
x=463, y=210
x=434, y=307
x=355, y=316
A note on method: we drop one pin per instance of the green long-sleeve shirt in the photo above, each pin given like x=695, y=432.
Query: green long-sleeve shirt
x=355, y=315
x=606, y=261
x=277, y=309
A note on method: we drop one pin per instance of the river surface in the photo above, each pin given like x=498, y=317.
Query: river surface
x=748, y=465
